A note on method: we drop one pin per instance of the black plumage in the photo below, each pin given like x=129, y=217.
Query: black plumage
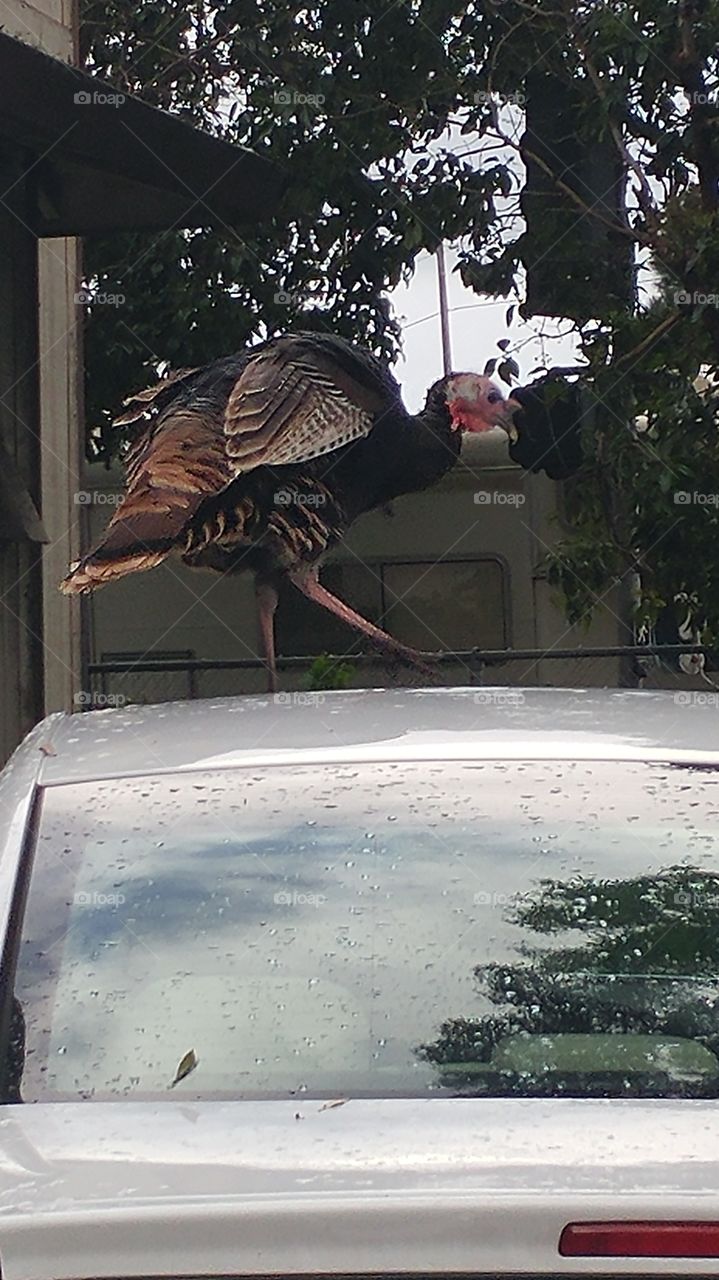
x=262, y=461
x=549, y=426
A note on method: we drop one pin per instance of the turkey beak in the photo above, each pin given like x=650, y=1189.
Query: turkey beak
x=507, y=422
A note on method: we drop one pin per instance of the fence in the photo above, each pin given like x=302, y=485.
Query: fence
x=129, y=678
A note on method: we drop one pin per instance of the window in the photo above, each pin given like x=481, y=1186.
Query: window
x=450, y=605
x=304, y=628
x=456, y=604
x=485, y=928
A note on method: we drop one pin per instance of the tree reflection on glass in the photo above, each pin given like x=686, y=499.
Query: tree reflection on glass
x=633, y=959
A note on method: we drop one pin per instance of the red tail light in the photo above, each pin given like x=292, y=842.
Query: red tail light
x=640, y=1240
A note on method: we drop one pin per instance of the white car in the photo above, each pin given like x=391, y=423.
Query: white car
x=418, y=983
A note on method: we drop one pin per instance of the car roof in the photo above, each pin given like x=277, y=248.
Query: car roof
x=376, y=725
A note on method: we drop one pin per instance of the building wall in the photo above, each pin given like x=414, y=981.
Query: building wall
x=61, y=395
x=52, y=25
x=20, y=548
x=467, y=555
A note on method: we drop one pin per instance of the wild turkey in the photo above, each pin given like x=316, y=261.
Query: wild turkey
x=262, y=461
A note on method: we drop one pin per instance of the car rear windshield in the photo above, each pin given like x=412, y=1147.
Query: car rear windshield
x=412, y=929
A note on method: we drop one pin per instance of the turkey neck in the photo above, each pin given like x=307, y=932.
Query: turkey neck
x=432, y=449
x=402, y=454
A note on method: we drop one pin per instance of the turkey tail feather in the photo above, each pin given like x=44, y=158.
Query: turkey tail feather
x=127, y=548
x=172, y=469
x=155, y=397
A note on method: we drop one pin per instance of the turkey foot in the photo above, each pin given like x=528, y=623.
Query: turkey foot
x=310, y=586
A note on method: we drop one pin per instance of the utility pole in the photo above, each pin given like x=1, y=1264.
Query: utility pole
x=444, y=309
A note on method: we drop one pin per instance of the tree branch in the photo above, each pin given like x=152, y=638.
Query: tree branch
x=691, y=77
x=618, y=227
x=657, y=332
x=644, y=194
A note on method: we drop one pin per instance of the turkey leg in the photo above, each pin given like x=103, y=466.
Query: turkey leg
x=310, y=586
x=266, y=597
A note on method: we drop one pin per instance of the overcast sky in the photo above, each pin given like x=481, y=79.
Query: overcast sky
x=476, y=324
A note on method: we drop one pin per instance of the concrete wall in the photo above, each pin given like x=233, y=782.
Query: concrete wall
x=488, y=518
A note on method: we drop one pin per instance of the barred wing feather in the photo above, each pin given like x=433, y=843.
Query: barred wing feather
x=290, y=404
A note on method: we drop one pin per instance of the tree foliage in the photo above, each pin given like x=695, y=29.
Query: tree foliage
x=397, y=124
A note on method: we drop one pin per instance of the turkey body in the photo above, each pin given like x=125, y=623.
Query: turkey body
x=261, y=461
x=276, y=520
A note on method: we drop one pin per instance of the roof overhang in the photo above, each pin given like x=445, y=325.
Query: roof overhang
x=104, y=161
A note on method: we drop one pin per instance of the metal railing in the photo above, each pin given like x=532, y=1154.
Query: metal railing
x=158, y=678
x=485, y=657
